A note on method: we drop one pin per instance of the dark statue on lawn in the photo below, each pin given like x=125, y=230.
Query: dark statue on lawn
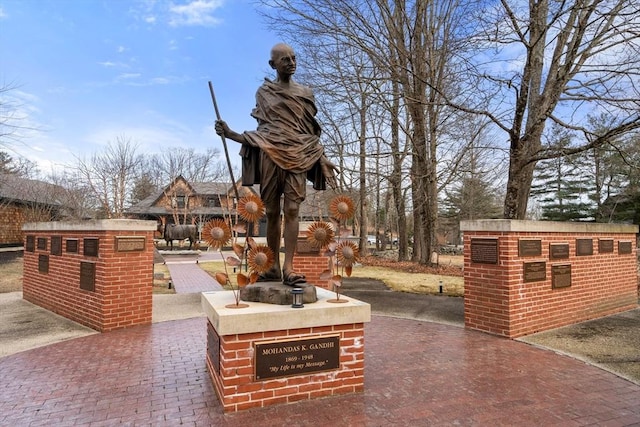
x=173, y=232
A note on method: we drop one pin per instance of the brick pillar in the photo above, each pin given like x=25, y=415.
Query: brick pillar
x=522, y=277
x=96, y=273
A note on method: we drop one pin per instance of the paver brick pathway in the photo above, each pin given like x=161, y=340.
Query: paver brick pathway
x=416, y=373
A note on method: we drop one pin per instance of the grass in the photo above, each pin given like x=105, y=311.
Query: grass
x=11, y=274
x=398, y=280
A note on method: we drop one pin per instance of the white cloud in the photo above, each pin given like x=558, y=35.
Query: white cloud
x=195, y=13
x=121, y=49
x=2, y=13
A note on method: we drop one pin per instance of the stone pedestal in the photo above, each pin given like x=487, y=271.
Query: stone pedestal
x=268, y=354
x=277, y=293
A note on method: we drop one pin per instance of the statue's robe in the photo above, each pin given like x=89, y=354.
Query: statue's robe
x=287, y=132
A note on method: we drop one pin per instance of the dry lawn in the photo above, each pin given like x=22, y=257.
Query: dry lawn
x=402, y=277
x=11, y=276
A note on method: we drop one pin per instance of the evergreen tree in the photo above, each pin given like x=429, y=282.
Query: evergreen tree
x=561, y=185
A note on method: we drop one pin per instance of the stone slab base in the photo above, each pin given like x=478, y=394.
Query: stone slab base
x=277, y=293
x=236, y=338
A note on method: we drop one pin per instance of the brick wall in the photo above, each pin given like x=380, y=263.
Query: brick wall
x=233, y=378
x=499, y=300
x=123, y=283
x=312, y=267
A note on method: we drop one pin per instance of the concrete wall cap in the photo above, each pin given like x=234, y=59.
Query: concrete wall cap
x=93, y=225
x=512, y=225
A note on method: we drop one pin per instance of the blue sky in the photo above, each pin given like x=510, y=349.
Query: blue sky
x=90, y=71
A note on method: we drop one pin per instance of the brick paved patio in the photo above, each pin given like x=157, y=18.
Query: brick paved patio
x=416, y=373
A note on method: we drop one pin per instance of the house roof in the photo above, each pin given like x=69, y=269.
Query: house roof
x=23, y=190
x=315, y=206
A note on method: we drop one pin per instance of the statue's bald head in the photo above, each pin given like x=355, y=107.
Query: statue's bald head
x=279, y=49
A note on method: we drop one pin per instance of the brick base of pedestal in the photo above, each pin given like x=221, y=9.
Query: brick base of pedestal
x=235, y=336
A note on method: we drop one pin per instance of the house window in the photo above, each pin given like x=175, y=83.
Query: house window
x=179, y=202
x=213, y=202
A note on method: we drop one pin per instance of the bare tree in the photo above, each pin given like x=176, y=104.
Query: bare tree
x=553, y=61
x=409, y=43
x=186, y=162
x=12, y=118
x=110, y=175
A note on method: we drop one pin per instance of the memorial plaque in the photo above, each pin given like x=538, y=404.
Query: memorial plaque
x=529, y=247
x=283, y=358
x=605, y=246
x=303, y=246
x=213, y=347
x=558, y=250
x=624, y=248
x=91, y=247
x=72, y=246
x=561, y=276
x=534, y=271
x=43, y=264
x=56, y=245
x=31, y=243
x=584, y=247
x=42, y=243
x=130, y=243
x=87, y=276
x=484, y=251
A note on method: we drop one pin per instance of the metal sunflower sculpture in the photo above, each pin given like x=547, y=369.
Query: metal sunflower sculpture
x=320, y=234
x=217, y=233
x=343, y=254
x=342, y=208
x=251, y=208
x=258, y=258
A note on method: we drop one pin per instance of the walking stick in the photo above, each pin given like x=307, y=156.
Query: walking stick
x=224, y=144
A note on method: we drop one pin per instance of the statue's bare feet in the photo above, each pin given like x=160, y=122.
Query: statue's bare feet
x=273, y=275
x=292, y=278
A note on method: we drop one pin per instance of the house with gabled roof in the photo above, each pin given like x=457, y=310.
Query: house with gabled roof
x=26, y=200
x=184, y=202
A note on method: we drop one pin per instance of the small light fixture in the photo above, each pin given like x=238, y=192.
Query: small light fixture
x=297, y=297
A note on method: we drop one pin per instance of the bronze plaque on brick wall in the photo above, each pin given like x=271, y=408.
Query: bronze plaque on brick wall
x=584, y=247
x=43, y=264
x=484, y=251
x=91, y=247
x=529, y=247
x=561, y=276
x=72, y=246
x=213, y=347
x=558, y=250
x=31, y=243
x=283, y=358
x=42, y=243
x=303, y=246
x=624, y=248
x=130, y=243
x=87, y=276
x=605, y=246
x=56, y=245
x=534, y=271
